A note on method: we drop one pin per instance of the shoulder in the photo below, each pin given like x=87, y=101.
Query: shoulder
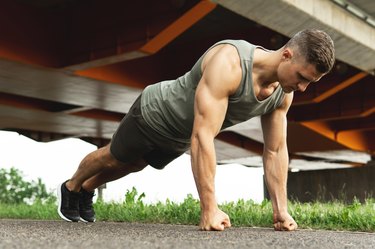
x=286, y=103
x=223, y=51
x=282, y=109
x=222, y=66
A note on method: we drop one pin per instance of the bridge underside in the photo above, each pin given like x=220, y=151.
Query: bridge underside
x=73, y=68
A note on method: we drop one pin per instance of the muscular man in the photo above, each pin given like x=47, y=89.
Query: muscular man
x=231, y=83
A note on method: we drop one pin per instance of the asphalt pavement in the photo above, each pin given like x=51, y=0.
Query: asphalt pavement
x=61, y=234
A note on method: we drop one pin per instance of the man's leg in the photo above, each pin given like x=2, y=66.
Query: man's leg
x=98, y=167
x=113, y=173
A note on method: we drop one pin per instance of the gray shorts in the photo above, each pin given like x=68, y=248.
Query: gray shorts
x=134, y=139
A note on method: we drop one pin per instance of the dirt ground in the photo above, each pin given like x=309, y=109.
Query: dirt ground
x=61, y=234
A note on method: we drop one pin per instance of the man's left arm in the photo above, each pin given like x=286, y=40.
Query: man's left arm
x=276, y=161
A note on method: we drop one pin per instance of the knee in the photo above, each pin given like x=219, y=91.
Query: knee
x=107, y=159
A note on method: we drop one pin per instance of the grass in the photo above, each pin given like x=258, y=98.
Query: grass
x=331, y=216
x=37, y=210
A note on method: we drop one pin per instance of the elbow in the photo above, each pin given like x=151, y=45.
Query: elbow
x=201, y=141
x=194, y=139
x=198, y=137
x=271, y=152
x=195, y=143
x=269, y=155
x=275, y=152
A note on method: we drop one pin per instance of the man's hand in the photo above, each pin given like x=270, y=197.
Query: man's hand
x=284, y=222
x=214, y=221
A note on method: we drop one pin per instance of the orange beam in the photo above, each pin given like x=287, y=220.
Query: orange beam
x=162, y=39
x=179, y=26
x=106, y=61
x=363, y=114
x=99, y=69
x=354, y=140
x=321, y=128
x=112, y=73
x=367, y=112
x=346, y=83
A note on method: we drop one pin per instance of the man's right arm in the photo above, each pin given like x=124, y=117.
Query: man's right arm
x=221, y=76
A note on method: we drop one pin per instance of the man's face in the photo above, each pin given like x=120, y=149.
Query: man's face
x=295, y=74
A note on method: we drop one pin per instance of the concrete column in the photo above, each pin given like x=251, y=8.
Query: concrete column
x=332, y=184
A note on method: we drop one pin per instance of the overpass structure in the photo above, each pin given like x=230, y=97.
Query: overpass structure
x=72, y=68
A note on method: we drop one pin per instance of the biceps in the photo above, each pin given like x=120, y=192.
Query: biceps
x=209, y=111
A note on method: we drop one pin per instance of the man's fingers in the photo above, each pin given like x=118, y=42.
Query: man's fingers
x=277, y=226
x=217, y=221
x=291, y=226
x=284, y=226
x=226, y=223
x=220, y=227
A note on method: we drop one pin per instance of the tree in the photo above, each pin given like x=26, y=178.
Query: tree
x=15, y=190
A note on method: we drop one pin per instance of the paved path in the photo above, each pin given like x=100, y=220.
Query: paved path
x=60, y=234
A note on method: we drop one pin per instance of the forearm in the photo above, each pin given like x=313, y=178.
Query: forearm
x=276, y=173
x=276, y=162
x=203, y=162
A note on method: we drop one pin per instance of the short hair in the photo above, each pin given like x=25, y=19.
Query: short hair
x=316, y=46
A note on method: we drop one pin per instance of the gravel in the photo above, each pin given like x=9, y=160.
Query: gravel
x=61, y=234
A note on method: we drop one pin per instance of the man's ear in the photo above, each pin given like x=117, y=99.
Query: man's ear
x=287, y=54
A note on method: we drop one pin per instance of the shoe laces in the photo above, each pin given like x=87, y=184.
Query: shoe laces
x=86, y=201
x=73, y=200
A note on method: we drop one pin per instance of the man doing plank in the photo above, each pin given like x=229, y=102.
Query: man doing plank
x=232, y=82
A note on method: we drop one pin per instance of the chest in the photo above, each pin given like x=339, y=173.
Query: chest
x=261, y=92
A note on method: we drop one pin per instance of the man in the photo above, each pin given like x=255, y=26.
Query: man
x=231, y=83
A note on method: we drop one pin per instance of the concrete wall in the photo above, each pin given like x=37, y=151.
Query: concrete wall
x=326, y=185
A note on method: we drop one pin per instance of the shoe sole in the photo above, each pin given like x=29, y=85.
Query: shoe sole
x=83, y=220
x=59, y=204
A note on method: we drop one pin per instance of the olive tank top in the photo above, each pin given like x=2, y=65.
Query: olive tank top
x=168, y=106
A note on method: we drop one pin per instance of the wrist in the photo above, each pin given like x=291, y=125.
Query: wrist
x=208, y=203
x=280, y=212
x=279, y=203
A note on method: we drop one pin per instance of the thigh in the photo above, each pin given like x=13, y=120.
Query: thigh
x=107, y=156
x=164, y=149
x=159, y=158
x=135, y=139
x=128, y=143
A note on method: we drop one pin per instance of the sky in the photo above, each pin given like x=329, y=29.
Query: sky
x=55, y=162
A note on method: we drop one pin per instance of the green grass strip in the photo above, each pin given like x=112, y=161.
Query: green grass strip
x=26, y=211
x=331, y=216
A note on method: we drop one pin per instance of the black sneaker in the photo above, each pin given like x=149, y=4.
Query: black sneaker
x=68, y=203
x=86, y=209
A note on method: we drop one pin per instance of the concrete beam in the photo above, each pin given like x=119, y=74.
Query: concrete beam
x=354, y=39
x=161, y=40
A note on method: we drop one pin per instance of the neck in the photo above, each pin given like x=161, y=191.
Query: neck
x=265, y=66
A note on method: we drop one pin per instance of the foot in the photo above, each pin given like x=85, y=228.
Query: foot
x=68, y=202
x=86, y=209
